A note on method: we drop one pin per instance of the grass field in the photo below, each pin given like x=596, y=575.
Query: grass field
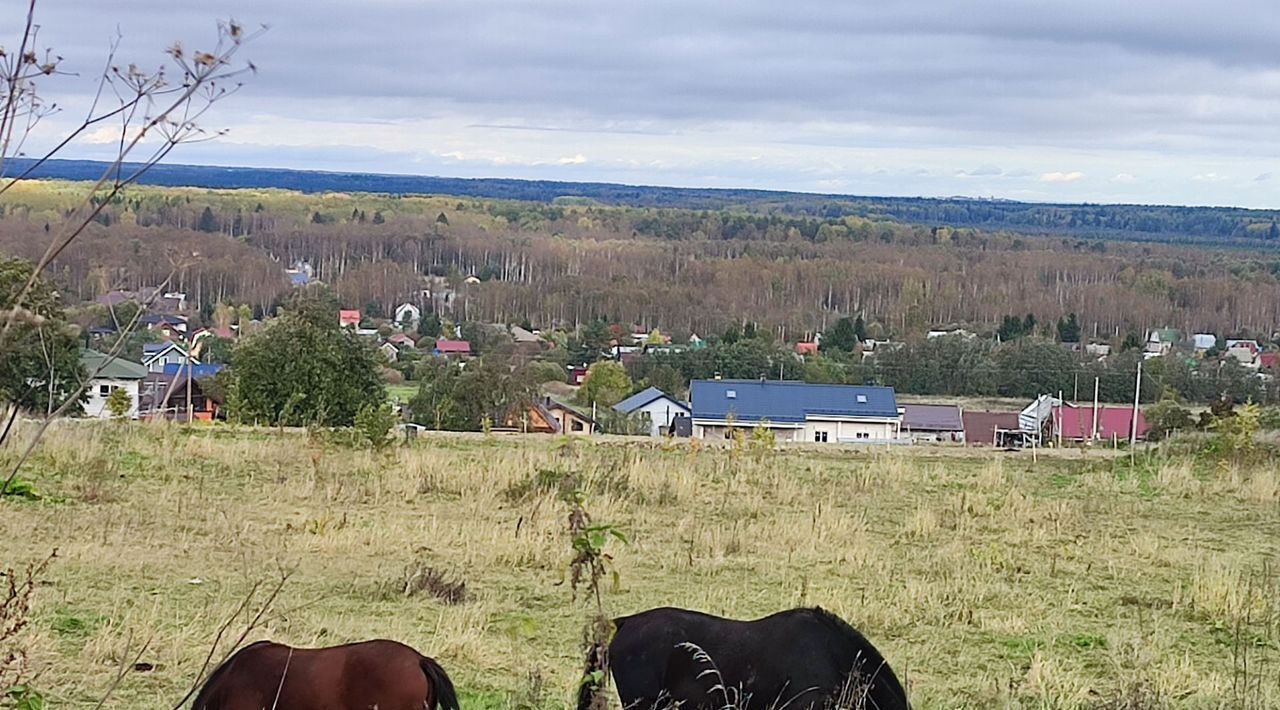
x=987, y=581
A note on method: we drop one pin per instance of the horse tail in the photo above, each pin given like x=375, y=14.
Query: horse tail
x=205, y=696
x=441, y=687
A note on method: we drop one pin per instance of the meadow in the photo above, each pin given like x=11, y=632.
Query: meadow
x=988, y=580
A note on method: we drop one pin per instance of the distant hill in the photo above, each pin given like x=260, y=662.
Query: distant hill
x=1218, y=225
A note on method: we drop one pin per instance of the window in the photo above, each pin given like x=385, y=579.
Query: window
x=104, y=390
x=820, y=437
x=862, y=399
x=863, y=435
x=576, y=425
x=731, y=394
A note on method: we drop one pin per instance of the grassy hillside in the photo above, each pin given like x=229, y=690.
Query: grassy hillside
x=986, y=579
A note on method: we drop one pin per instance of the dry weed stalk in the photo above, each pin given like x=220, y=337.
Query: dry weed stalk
x=15, y=609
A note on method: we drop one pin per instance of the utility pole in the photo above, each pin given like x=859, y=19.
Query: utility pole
x=1133, y=424
x=1093, y=433
x=1058, y=423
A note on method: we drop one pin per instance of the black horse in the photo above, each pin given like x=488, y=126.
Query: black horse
x=802, y=659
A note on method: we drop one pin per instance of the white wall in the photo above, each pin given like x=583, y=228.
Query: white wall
x=100, y=389
x=661, y=411
x=851, y=432
x=870, y=431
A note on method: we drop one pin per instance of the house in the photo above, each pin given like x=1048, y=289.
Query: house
x=569, y=419
x=165, y=396
x=155, y=356
x=169, y=326
x=991, y=429
x=961, y=332
x=109, y=374
x=810, y=348
x=407, y=316
x=1098, y=350
x=1268, y=361
x=795, y=411
x=400, y=340
x=348, y=318
x=1204, y=341
x=1245, y=352
x=300, y=274
x=1075, y=423
x=452, y=348
x=522, y=336
x=577, y=375
x=932, y=422
x=548, y=417
x=661, y=407
x=1160, y=342
x=389, y=351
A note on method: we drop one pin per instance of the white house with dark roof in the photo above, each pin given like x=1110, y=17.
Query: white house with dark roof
x=661, y=407
x=109, y=374
x=796, y=411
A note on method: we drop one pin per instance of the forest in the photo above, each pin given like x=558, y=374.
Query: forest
x=1161, y=223
x=682, y=270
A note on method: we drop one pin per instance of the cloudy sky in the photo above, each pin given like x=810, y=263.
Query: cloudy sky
x=1154, y=101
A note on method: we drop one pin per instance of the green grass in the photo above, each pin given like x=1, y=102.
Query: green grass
x=987, y=580
x=402, y=393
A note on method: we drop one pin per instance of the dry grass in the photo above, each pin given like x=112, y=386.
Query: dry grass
x=987, y=581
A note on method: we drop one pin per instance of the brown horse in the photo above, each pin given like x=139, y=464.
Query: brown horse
x=358, y=676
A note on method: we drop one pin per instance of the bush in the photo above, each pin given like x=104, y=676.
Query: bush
x=1166, y=417
x=374, y=425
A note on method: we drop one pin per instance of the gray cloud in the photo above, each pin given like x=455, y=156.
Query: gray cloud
x=876, y=96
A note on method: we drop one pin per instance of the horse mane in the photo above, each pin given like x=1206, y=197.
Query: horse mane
x=202, y=698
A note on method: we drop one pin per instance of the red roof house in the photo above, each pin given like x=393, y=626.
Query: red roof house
x=806, y=348
x=1076, y=423
x=400, y=340
x=1268, y=361
x=453, y=347
x=349, y=318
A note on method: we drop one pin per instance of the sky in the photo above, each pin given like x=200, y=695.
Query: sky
x=1147, y=101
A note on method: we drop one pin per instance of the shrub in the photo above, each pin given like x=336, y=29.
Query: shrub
x=374, y=425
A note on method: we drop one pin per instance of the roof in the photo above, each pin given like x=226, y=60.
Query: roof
x=401, y=339
x=779, y=401
x=806, y=348
x=980, y=427
x=453, y=346
x=111, y=368
x=162, y=319
x=351, y=317
x=298, y=278
x=553, y=403
x=1269, y=360
x=198, y=371
x=932, y=417
x=151, y=351
x=522, y=335
x=640, y=399
x=1077, y=422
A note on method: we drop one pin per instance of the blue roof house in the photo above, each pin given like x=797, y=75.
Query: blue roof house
x=796, y=411
x=661, y=407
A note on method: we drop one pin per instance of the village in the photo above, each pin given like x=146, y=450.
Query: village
x=176, y=377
